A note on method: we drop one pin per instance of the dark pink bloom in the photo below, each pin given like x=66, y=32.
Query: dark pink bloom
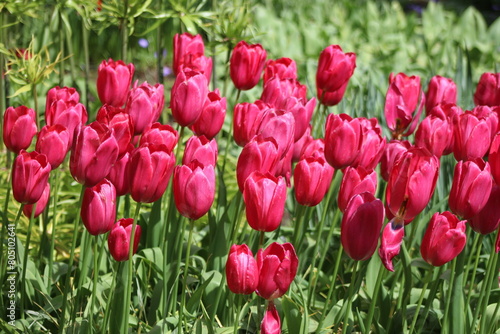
x=113, y=81
x=440, y=90
x=471, y=136
x=312, y=178
x=186, y=43
x=246, y=65
x=488, y=219
x=335, y=68
x=276, y=92
x=356, y=181
x=488, y=90
x=494, y=158
x=246, y=120
x=390, y=243
x=302, y=112
x=188, y=97
x=280, y=125
x=197, y=62
x=119, y=239
x=372, y=144
x=53, y=141
x=160, y=134
x=98, y=210
x=271, y=323
x=65, y=94
x=242, y=273
x=283, y=68
x=144, y=105
x=19, y=128
x=118, y=173
x=201, y=149
x=120, y=124
x=30, y=175
x=41, y=204
x=393, y=150
x=434, y=133
x=343, y=140
x=212, y=117
x=69, y=114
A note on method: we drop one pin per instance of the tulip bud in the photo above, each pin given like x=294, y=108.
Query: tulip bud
x=53, y=142
x=471, y=136
x=276, y=91
x=212, y=117
x=19, y=128
x=246, y=65
x=30, y=175
x=471, y=188
x=361, y=225
x=372, y=144
x=277, y=269
x=343, y=139
x=444, y=239
x=185, y=43
x=113, y=81
x=41, y=204
x=65, y=94
x=247, y=119
x=265, y=197
x=69, y=114
x=144, y=105
x=283, y=68
x=488, y=90
x=440, y=90
x=119, y=239
x=120, y=124
x=188, y=97
x=201, y=149
x=312, y=178
x=98, y=210
x=197, y=62
x=434, y=134
x=242, y=273
x=393, y=150
x=160, y=134
x=271, y=323
x=194, y=189
x=279, y=125
x=118, y=174
x=390, y=242
x=488, y=219
x=356, y=181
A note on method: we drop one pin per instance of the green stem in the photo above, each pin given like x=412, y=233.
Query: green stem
x=332, y=287
x=54, y=224
x=478, y=248
x=378, y=285
x=35, y=104
x=350, y=297
x=178, y=246
x=186, y=274
x=491, y=273
x=430, y=298
x=110, y=297
x=61, y=46
x=25, y=259
x=86, y=55
x=124, y=31
x=457, y=303
x=94, y=285
x=428, y=277
x=299, y=228
x=237, y=313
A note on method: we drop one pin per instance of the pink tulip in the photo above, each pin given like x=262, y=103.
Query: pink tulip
x=113, y=81
x=246, y=65
x=372, y=144
x=242, y=273
x=488, y=90
x=276, y=91
x=53, y=141
x=98, y=210
x=312, y=178
x=390, y=243
x=434, y=133
x=160, y=134
x=271, y=323
x=471, y=136
x=30, y=175
x=283, y=68
x=118, y=174
x=144, y=105
x=186, y=43
x=41, y=204
x=65, y=94
x=212, y=117
x=119, y=239
x=494, y=158
x=69, y=114
x=120, y=123
x=201, y=149
x=197, y=62
x=19, y=128
x=356, y=181
x=343, y=140
x=488, y=219
x=280, y=125
x=188, y=97
x=440, y=90
x=393, y=150
x=247, y=119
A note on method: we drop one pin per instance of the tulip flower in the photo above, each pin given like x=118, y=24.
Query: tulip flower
x=19, y=128
x=284, y=167
x=184, y=44
x=440, y=90
x=188, y=97
x=118, y=174
x=120, y=123
x=471, y=188
x=471, y=136
x=246, y=65
x=98, y=210
x=372, y=144
x=201, y=149
x=212, y=117
x=488, y=219
x=242, y=273
x=356, y=181
x=393, y=150
x=302, y=143
x=53, y=141
x=280, y=125
x=65, y=94
x=343, y=140
x=149, y=171
x=390, y=242
x=271, y=323
x=197, y=62
x=335, y=68
x=94, y=152
x=260, y=154
x=411, y=183
x=265, y=197
x=144, y=105
x=402, y=108
x=276, y=91
x=444, y=239
x=113, y=82
x=119, y=239
x=494, y=158
x=194, y=189
x=434, y=133
x=69, y=114
x=361, y=225
x=450, y=111
x=488, y=90
x=490, y=114
x=283, y=68
x=41, y=204
x=302, y=112
x=277, y=269
x=246, y=120
x=160, y=134
x=313, y=148
x=312, y=178
x=30, y=175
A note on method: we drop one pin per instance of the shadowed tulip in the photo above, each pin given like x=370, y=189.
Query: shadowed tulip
x=119, y=239
x=390, y=242
x=356, y=181
x=98, y=210
x=488, y=219
x=312, y=178
x=488, y=90
x=242, y=273
x=53, y=141
x=41, y=204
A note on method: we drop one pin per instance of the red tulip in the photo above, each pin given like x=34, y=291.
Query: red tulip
x=41, y=204
x=280, y=125
x=331, y=98
x=197, y=62
x=302, y=143
x=184, y=44
x=188, y=97
x=276, y=91
x=242, y=273
x=65, y=94
x=393, y=150
x=372, y=144
x=356, y=181
x=335, y=68
x=361, y=225
x=434, y=133
x=247, y=119
x=201, y=149
x=444, y=239
x=312, y=178
x=246, y=65
x=53, y=141
x=160, y=134
x=488, y=219
x=450, y=111
x=120, y=124
x=194, y=189
x=144, y=105
x=440, y=90
x=98, y=210
x=390, y=243
x=265, y=197
x=119, y=239
x=471, y=136
x=71, y=115
x=283, y=68
x=271, y=323
x=149, y=171
x=30, y=175
x=313, y=148
x=19, y=128
x=494, y=158
x=113, y=82
x=490, y=114
x=94, y=152
x=343, y=140
x=212, y=117
x=277, y=269
x=471, y=188
x=118, y=174
x=302, y=112
x=488, y=90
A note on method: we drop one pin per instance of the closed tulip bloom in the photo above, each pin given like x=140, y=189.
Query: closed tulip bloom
x=246, y=120
x=343, y=140
x=119, y=239
x=113, y=81
x=212, y=117
x=120, y=123
x=402, y=108
x=361, y=225
x=284, y=167
x=302, y=143
x=41, y=204
x=490, y=114
x=149, y=171
x=283, y=68
x=194, y=189
x=19, y=128
x=450, y=111
x=313, y=148
x=201, y=149
x=246, y=65
x=372, y=144
x=118, y=174
x=160, y=134
x=356, y=181
x=302, y=112
x=98, y=210
x=197, y=62
x=444, y=239
x=188, y=97
x=184, y=44
x=280, y=125
x=335, y=68
x=277, y=269
x=488, y=90
x=330, y=99
x=94, y=152
x=265, y=197
x=440, y=90
x=242, y=273
x=488, y=219
x=471, y=136
x=271, y=323
x=30, y=175
x=471, y=188
x=71, y=115
x=390, y=243
x=144, y=105
x=53, y=141
x=393, y=150
x=411, y=183
x=434, y=134
x=494, y=158
x=276, y=91
x=65, y=93
x=312, y=179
